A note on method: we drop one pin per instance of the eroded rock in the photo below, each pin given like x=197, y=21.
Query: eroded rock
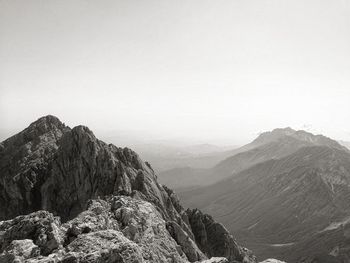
x=19, y=250
x=41, y=227
x=103, y=246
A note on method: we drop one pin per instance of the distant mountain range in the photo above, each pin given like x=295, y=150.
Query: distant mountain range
x=286, y=195
x=164, y=157
x=166, y=154
x=269, y=145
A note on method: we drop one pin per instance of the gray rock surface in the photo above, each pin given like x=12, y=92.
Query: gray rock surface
x=41, y=227
x=19, y=250
x=117, y=228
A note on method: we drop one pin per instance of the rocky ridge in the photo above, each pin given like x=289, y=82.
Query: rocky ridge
x=88, y=201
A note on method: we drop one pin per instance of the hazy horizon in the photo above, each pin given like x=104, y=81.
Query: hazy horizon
x=207, y=71
x=134, y=138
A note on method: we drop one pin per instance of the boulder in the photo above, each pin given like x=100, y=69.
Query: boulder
x=41, y=227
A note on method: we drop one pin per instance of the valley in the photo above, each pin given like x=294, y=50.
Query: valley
x=288, y=189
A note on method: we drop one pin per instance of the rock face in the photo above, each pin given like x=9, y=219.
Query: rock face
x=111, y=205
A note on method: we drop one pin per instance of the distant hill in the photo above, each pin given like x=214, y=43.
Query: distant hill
x=269, y=145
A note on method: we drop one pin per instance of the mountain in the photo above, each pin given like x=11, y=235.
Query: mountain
x=295, y=208
x=66, y=196
x=269, y=145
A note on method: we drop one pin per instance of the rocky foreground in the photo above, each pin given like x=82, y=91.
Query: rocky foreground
x=74, y=198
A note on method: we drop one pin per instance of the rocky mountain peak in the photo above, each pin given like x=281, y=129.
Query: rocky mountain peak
x=48, y=128
x=47, y=121
x=273, y=135
x=64, y=171
x=45, y=125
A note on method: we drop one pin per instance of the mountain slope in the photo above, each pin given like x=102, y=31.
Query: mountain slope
x=277, y=205
x=269, y=145
x=112, y=207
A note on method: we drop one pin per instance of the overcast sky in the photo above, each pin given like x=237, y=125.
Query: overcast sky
x=217, y=71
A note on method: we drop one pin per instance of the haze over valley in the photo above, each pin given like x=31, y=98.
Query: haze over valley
x=283, y=194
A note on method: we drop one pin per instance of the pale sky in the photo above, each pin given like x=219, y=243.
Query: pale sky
x=211, y=70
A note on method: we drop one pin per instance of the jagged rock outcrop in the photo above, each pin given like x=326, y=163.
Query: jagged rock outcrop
x=117, y=228
x=187, y=244
x=129, y=217
x=214, y=239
